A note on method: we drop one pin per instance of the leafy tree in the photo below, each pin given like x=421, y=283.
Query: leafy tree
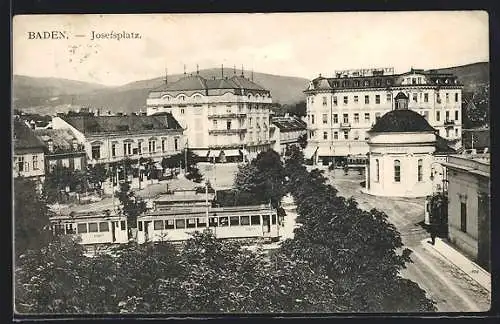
x=132, y=206
x=303, y=141
x=97, y=175
x=31, y=217
x=298, y=109
x=195, y=175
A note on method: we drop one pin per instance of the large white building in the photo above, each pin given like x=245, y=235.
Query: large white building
x=340, y=110
x=225, y=119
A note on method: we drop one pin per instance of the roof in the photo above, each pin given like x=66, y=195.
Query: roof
x=62, y=139
x=24, y=138
x=443, y=146
x=289, y=123
x=401, y=96
x=401, y=121
x=107, y=124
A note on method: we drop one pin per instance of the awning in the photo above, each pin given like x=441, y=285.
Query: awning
x=309, y=151
x=324, y=151
x=231, y=152
x=201, y=153
x=214, y=153
x=244, y=152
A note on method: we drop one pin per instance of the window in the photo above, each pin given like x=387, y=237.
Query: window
x=366, y=83
x=463, y=217
x=356, y=118
x=35, y=162
x=103, y=227
x=356, y=99
x=234, y=221
x=426, y=97
x=325, y=118
x=163, y=145
x=377, y=99
x=378, y=82
x=377, y=171
x=245, y=220
x=345, y=100
x=456, y=132
x=176, y=144
x=438, y=115
x=438, y=98
x=377, y=116
x=169, y=224
x=312, y=100
x=356, y=135
x=96, y=152
x=122, y=225
x=223, y=221
x=93, y=228
x=324, y=101
x=447, y=97
x=419, y=170
x=81, y=228
x=158, y=225
x=152, y=146
x=367, y=99
x=335, y=118
x=127, y=148
x=346, y=134
x=456, y=97
x=388, y=97
x=20, y=163
x=182, y=111
x=139, y=226
x=447, y=115
x=334, y=100
x=180, y=223
x=228, y=124
x=346, y=118
x=336, y=135
x=397, y=171
x=456, y=114
x=273, y=219
x=201, y=222
x=415, y=97
x=447, y=132
x=255, y=220
x=325, y=135
x=367, y=117
x=413, y=81
x=191, y=223
x=312, y=119
x=213, y=222
x=139, y=147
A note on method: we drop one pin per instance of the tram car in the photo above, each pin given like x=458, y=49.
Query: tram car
x=241, y=222
x=356, y=162
x=93, y=229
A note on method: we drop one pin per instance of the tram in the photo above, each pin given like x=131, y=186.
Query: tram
x=241, y=222
x=357, y=162
x=93, y=229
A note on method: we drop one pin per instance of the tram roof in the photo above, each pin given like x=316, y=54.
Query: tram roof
x=201, y=211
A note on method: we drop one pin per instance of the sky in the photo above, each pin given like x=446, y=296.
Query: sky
x=291, y=44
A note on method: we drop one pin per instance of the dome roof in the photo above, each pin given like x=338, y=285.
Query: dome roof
x=401, y=121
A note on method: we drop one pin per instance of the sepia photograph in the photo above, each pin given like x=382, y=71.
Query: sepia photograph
x=264, y=163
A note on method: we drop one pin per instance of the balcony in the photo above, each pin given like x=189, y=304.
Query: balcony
x=227, y=131
x=345, y=125
x=449, y=123
x=227, y=115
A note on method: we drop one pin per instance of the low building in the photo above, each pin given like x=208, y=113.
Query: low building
x=109, y=140
x=62, y=149
x=469, y=205
x=286, y=131
x=28, y=154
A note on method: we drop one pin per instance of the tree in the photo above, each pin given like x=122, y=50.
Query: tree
x=132, y=206
x=298, y=109
x=303, y=141
x=31, y=217
x=97, y=175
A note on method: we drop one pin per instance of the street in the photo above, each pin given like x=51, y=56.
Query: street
x=448, y=286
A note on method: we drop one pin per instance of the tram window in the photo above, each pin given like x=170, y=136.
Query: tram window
x=103, y=227
x=212, y=221
x=169, y=224
x=234, y=220
x=180, y=223
x=140, y=226
x=245, y=220
x=70, y=229
x=191, y=223
x=158, y=225
x=93, y=228
x=82, y=228
x=202, y=222
x=273, y=219
x=59, y=229
x=122, y=225
x=255, y=220
x=223, y=221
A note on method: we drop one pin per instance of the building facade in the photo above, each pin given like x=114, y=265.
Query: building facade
x=28, y=157
x=109, y=140
x=286, y=131
x=224, y=119
x=340, y=110
x=469, y=205
x=62, y=149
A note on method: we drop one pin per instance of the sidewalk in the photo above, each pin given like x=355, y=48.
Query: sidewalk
x=457, y=259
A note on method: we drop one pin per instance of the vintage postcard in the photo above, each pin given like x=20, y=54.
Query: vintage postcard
x=251, y=163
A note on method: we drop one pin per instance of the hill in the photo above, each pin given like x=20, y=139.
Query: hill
x=473, y=76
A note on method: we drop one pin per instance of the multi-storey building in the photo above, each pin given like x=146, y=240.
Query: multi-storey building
x=111, y=139
x=28, y=154
x=224, y=119
x=340, y=110
x=286, y=131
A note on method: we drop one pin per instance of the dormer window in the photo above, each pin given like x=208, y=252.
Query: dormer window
x=50, y=145
x=366, y=83
x=75, y=144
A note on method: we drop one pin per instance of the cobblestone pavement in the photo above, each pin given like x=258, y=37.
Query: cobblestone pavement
x=447, y=285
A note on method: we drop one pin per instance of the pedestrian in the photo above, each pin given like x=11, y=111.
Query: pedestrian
x=433, y=232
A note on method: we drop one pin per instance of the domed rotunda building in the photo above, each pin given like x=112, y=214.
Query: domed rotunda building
x=402, y=147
